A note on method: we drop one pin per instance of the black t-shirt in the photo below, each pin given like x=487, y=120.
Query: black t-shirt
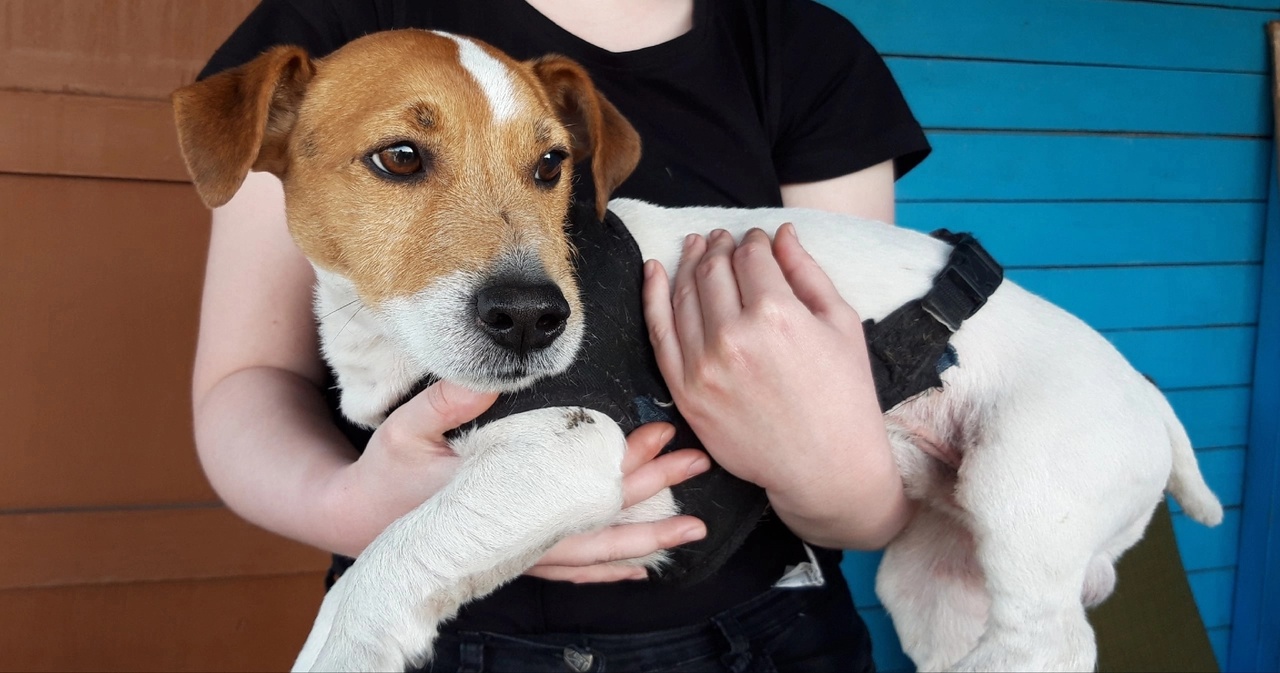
x=759, y=93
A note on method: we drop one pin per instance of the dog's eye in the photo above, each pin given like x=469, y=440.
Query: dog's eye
x=398, y=160
x=547, y=172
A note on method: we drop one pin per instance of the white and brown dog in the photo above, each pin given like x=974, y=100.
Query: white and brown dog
x=419, y=166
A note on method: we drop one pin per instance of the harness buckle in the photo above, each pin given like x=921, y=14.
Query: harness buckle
x=970, y=276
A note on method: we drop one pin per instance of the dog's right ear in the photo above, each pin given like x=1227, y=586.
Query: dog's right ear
x=240, y=120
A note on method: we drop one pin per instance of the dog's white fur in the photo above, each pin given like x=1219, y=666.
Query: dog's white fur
x=1065, y=451
x=1037, y=465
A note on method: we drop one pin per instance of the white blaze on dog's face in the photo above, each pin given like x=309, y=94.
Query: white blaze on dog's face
x=429, y=175
x=426, y=175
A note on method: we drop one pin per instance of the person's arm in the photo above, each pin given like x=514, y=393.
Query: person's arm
x=769, y=366
x=263, y=431
x=867, y=193
x=268, y=444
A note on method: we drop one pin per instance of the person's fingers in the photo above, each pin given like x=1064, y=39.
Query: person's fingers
x=440, y=408
x=629, y=541
x=588, y=574
x=662, y=472
x=685, y=303
x=644, y=443
x=808, y=281
x=717, y=287
x=759, y=276
x=659, y=316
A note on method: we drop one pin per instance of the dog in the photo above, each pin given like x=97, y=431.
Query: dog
x=422, y=170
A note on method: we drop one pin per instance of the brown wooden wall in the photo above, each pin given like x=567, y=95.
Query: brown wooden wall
x=114, y=552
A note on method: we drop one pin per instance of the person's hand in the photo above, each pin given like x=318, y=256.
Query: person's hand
x=591, y=557
x=407, y=459
x=768, y=364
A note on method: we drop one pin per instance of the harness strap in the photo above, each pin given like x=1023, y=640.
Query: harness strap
x=911, y=347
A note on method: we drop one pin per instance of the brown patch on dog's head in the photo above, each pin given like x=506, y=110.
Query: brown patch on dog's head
x=476, y=204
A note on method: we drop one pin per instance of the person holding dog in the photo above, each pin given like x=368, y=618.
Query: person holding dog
x=760, y=103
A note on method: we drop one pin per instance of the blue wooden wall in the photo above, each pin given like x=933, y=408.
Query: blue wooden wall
x=1115, y=155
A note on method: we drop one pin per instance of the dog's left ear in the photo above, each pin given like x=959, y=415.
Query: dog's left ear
x=598, y=129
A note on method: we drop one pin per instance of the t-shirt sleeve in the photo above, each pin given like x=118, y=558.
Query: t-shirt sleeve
x=841, y=110
x=319, y=26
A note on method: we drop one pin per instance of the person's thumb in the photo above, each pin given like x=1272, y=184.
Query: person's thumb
x=440, y=408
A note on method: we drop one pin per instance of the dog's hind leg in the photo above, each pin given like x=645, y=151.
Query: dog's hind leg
x=1035, y=546
x=933, y=588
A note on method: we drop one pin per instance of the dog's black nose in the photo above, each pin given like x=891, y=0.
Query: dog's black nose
x=522, y=318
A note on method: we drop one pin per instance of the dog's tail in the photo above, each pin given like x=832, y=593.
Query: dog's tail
x=1186, y=483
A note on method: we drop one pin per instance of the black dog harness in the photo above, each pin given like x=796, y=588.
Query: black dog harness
x=910, y=348
x=617, y=374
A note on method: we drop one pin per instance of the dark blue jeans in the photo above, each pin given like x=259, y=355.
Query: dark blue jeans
x=780, y=630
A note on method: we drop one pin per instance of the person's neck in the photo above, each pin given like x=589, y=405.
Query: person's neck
x=620, y=25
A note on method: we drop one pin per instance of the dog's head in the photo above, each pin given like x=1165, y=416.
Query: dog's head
x=432, y=174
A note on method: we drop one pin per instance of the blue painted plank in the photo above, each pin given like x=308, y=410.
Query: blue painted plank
x=1190, y=358
x=885, y=647
x=1103, y=32
x=1223, y=470
x=972, y=166
x=1255, y=645
x=1260, y=5
x=859, y=569
x=1147, y=297
x=993, y=95
x=1204, y=548
x=1213, y=591
x=1094, y=234
x=1219, y=639
x=1213, y=417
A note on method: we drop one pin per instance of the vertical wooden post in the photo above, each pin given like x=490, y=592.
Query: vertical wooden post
x=1255, y=637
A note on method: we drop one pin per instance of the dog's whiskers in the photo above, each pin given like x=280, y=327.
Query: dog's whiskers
x=323, y=317
x=348, y=322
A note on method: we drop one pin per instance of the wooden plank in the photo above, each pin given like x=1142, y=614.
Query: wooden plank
x=1213, y=591
x=106, y=277
x=968, y=166
x=1220, y=639
x=1213, y=417
x=1148, y=297
x=859, y=568
x=1101, y=32
x=1257, y=617
x=1204, y=548
x=1096, y=234
x=243, y=624
x=964, y=94
x=1223, y=470
x=886, y=650
x=56, y=134
x=1260, y=5
x=133, y=49
x=1191, y=358
x=73, y=548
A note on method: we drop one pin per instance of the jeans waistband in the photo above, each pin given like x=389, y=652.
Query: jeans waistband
x=730, y=632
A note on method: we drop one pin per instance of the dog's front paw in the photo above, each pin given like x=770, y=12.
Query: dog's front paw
x=548, y=472
x=661, y=506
